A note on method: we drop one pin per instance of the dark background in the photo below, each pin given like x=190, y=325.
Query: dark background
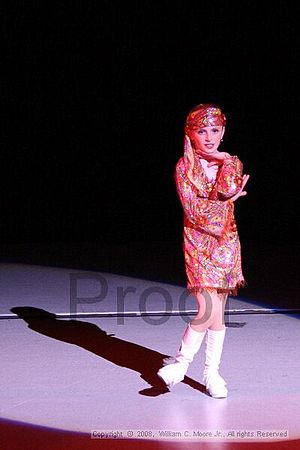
x=94, y=99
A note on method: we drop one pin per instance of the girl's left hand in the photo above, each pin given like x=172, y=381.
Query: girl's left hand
x=218, y=158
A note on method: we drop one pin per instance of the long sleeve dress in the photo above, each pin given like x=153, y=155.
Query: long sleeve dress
x=211, y=242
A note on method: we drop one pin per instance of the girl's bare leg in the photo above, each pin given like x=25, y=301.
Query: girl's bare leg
x=210, y=313
x=218, y=321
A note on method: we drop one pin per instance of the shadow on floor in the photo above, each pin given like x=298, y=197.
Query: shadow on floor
x=92, y=338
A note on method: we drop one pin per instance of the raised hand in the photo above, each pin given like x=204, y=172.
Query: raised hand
x=217, y=158
x=241, y=192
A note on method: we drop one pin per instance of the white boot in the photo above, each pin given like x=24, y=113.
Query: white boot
x=190, y=344
x=213, y=381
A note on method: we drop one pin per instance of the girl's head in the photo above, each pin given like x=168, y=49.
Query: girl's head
x=205, y=126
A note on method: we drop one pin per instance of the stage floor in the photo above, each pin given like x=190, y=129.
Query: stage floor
x=80, y=351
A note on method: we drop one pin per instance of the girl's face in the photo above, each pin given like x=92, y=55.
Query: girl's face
x=207, y=140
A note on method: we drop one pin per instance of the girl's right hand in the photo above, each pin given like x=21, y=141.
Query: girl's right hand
x=241, y=192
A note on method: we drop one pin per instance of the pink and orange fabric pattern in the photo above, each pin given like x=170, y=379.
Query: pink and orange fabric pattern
x=211, y=242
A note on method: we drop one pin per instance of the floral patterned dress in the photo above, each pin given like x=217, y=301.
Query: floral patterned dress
x=212, y=249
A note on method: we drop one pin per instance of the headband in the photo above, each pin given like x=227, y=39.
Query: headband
x=205, y=115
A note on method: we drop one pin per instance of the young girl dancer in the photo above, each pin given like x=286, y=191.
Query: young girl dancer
x=208, y=182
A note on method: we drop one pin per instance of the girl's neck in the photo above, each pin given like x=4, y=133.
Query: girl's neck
x=210, y=172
